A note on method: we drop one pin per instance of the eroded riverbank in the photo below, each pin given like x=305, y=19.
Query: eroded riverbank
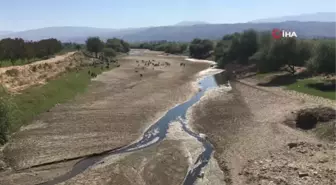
x=112, y=90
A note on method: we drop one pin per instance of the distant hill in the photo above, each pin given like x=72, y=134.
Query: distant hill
x=5, y=32
x=68, y=33
x=190, y=23
x=216, y=31
x=184, y=31
x=316, y=17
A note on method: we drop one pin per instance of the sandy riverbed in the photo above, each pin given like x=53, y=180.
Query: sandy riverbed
x=115, y=111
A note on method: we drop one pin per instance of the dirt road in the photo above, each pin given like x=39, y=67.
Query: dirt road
x=116, y=110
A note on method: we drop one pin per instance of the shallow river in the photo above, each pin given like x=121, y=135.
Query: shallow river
x=156, y=133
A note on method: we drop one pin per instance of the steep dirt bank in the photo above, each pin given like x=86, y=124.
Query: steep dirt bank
x=245, y=127
x=17, y=78
x=118, y=107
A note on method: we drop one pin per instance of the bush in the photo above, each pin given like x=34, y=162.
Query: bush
x=118, y=45
x=167, y=47
x=109, y=52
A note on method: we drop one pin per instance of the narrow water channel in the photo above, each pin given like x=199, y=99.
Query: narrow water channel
x=156, y=133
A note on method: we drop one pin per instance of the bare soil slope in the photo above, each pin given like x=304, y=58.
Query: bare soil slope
x=17, y=78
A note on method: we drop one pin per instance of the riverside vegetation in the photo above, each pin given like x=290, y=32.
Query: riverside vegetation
x=243, y=49
x=265, y=55
x=17, y=109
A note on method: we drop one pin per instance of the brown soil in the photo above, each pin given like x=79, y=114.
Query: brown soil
x=118, y=107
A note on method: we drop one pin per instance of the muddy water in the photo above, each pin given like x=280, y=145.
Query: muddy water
x=156, y=133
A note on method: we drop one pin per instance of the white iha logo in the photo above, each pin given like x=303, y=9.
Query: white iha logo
x=277, y=34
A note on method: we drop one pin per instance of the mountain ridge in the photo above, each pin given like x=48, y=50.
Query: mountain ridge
x=317, y=17
x=183, y=31
x=190, y=23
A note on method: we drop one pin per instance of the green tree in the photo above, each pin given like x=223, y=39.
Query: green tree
x=118, y=45
x=14, y=49
x=248, y=45
x=221, y=53
x=126, y=46
x=323, y=59
x=109, y=52
x=95, y=45
x=200, y=48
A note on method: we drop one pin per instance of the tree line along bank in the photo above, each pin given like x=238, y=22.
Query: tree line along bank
x=258, y=48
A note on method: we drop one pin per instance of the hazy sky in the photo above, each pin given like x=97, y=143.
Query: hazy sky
x=18, y=15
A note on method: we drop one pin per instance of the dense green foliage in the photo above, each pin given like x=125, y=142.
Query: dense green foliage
x=251, y=47
x=109, y=52
x=15, y=49
x=118, y=45
x=163, y=45
x=109, y=49
x=200, y=49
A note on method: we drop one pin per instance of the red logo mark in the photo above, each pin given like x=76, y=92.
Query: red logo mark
x=276, y=33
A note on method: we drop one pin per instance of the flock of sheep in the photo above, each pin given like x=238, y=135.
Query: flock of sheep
x=152, y=63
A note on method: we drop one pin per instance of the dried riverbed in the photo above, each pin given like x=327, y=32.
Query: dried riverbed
x=104, y=119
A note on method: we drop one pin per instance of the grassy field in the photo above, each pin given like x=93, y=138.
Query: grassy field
x=24, y=107
x=301, y=86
